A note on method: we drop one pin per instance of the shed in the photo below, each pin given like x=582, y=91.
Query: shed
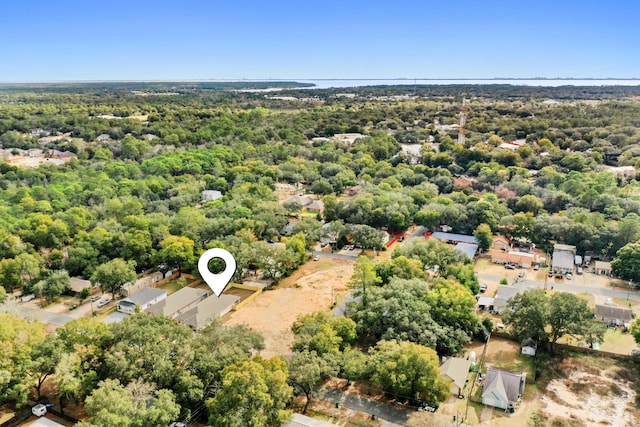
x=456, y=369
x=503, y=389
x=603, y=268
x=208, y=309
x=315, y=206
x=529, y=347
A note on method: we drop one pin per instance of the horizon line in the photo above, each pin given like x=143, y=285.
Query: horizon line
x=195, y=80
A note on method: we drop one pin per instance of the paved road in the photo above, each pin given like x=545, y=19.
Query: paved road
x=567, y=286
x=388, y=415
x=348, y=257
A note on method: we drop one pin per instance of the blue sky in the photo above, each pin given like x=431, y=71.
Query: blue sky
x=50, y=40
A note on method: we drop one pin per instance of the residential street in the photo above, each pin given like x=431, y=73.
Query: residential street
x=573, y=285
x=389, y=415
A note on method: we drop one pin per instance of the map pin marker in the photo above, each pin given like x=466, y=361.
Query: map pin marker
x=217, y=282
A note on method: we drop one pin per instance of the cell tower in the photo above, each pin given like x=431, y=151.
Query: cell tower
x=463, y=121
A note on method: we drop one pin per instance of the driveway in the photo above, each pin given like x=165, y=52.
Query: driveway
x=388, y=415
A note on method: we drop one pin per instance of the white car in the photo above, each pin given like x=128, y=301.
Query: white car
x=316, y=258
x=104, y=302
x=568, y=276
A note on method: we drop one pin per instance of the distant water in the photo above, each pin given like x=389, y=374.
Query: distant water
x=325, y=84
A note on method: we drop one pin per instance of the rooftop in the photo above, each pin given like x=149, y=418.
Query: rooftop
x=199, y=316
x=508, y=384
x=454, y=237
x=456, y=369
x=145, y=296
x=174, y=302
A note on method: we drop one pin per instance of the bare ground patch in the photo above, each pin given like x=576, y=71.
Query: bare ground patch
x=315, y=286
x=590, y=394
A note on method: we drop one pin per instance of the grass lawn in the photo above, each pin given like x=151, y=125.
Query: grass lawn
x=174, y=285
x=617, y=342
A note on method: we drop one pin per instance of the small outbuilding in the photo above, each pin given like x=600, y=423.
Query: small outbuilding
x=603, y=267
x=529, y=347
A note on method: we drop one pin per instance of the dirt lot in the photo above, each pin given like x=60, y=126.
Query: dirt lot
x=591, y=391
x=309, y=289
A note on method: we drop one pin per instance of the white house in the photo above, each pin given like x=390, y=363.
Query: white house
x=142, y=300
x=503, y=389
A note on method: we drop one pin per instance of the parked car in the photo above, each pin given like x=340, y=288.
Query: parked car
x=536, y=267
x=401, y=239
x=509, y=267
x=569, y=276
x=579, y=270
x=483, y=287
x=521, y=274
x=95, y=298
x=635, y=352
x=104, y=302
x=316, y=258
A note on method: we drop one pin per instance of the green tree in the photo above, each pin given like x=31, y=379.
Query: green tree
x=10, y=274
x=529, y=203
x=408, y=370
x=45, y=357
x=484, y=236
x=112, y=275
x=626, y=265
x=157, y=350
x=54, y=285
x=307, y=370
x=354, y=365
x=137, y=404
x=536, y=315
x=323, y=333
x=176, y=250
x=254, y=393
x=18, y=340
x=364, y=275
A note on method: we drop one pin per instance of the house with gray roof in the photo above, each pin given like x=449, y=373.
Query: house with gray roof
x=456, y=369
x=469, y=249
x=505, y=292
x=503, y=389
x=142, y=300
x=563, y=259
x=454, y=238
x=179, y=302
x=208, y=309
x=612, y=314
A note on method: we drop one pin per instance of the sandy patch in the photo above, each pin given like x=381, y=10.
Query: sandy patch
x=313, y=287
x=592, y=398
